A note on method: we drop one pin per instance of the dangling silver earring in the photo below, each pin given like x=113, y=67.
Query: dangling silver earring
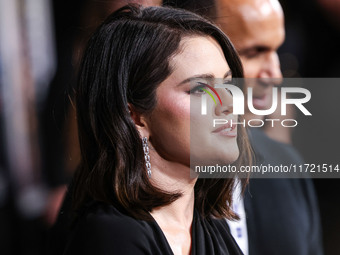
x=147, y=156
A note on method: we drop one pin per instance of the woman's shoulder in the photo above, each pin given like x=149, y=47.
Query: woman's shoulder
x=107, y=217
x=103, y=228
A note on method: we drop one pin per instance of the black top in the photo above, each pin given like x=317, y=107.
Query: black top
x=103, y=229
x=282, y=214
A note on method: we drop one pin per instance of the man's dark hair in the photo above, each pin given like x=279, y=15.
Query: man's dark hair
x=205, y=8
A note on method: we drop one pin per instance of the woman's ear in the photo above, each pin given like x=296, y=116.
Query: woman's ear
x=139, y=120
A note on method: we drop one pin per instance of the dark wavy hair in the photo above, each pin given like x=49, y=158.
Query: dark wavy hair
x=125, y=60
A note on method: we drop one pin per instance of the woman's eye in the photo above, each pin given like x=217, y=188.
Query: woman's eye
x=198, y=90
x=228, y=82
x=231, y=93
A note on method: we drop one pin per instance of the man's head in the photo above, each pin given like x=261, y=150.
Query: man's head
x=256, y=28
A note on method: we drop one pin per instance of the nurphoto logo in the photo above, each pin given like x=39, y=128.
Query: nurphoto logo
x=239, y=104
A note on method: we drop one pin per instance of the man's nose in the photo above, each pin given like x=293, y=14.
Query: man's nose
x=271, y=69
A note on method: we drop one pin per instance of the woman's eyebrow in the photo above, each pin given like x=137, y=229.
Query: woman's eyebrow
x=203, y=76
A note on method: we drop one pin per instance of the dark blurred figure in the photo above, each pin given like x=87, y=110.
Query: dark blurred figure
x=23, y=231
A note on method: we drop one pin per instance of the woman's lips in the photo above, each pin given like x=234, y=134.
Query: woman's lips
x=227, y=129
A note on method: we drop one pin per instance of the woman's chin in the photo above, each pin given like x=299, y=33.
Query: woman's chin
x=229, y=155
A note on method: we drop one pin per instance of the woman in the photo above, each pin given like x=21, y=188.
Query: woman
x=143, y=71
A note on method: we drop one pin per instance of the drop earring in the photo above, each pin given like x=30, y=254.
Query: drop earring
x=147, y=156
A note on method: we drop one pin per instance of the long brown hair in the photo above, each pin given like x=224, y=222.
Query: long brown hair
x=125, y=61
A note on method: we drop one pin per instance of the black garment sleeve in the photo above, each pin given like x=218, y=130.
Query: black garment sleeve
x=103, y=234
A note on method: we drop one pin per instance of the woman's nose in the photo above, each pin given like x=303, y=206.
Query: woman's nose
x=227, y=102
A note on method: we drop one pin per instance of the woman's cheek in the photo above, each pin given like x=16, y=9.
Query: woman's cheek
x=175, y=106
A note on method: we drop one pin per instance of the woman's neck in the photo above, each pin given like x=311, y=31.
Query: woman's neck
x=175, y=219
x=174, y=177
x=179, y=212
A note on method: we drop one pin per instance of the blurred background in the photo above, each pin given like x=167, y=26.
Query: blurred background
x=41, y=43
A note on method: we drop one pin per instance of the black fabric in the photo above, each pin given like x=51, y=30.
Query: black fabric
x=282, y=214
x=104, y=229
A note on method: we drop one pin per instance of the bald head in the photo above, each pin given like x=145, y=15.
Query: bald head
x=250, y=21
x=256, y=28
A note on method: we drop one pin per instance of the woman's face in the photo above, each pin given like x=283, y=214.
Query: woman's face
x=178, y=130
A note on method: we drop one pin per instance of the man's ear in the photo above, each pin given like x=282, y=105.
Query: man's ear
x=139, y=120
